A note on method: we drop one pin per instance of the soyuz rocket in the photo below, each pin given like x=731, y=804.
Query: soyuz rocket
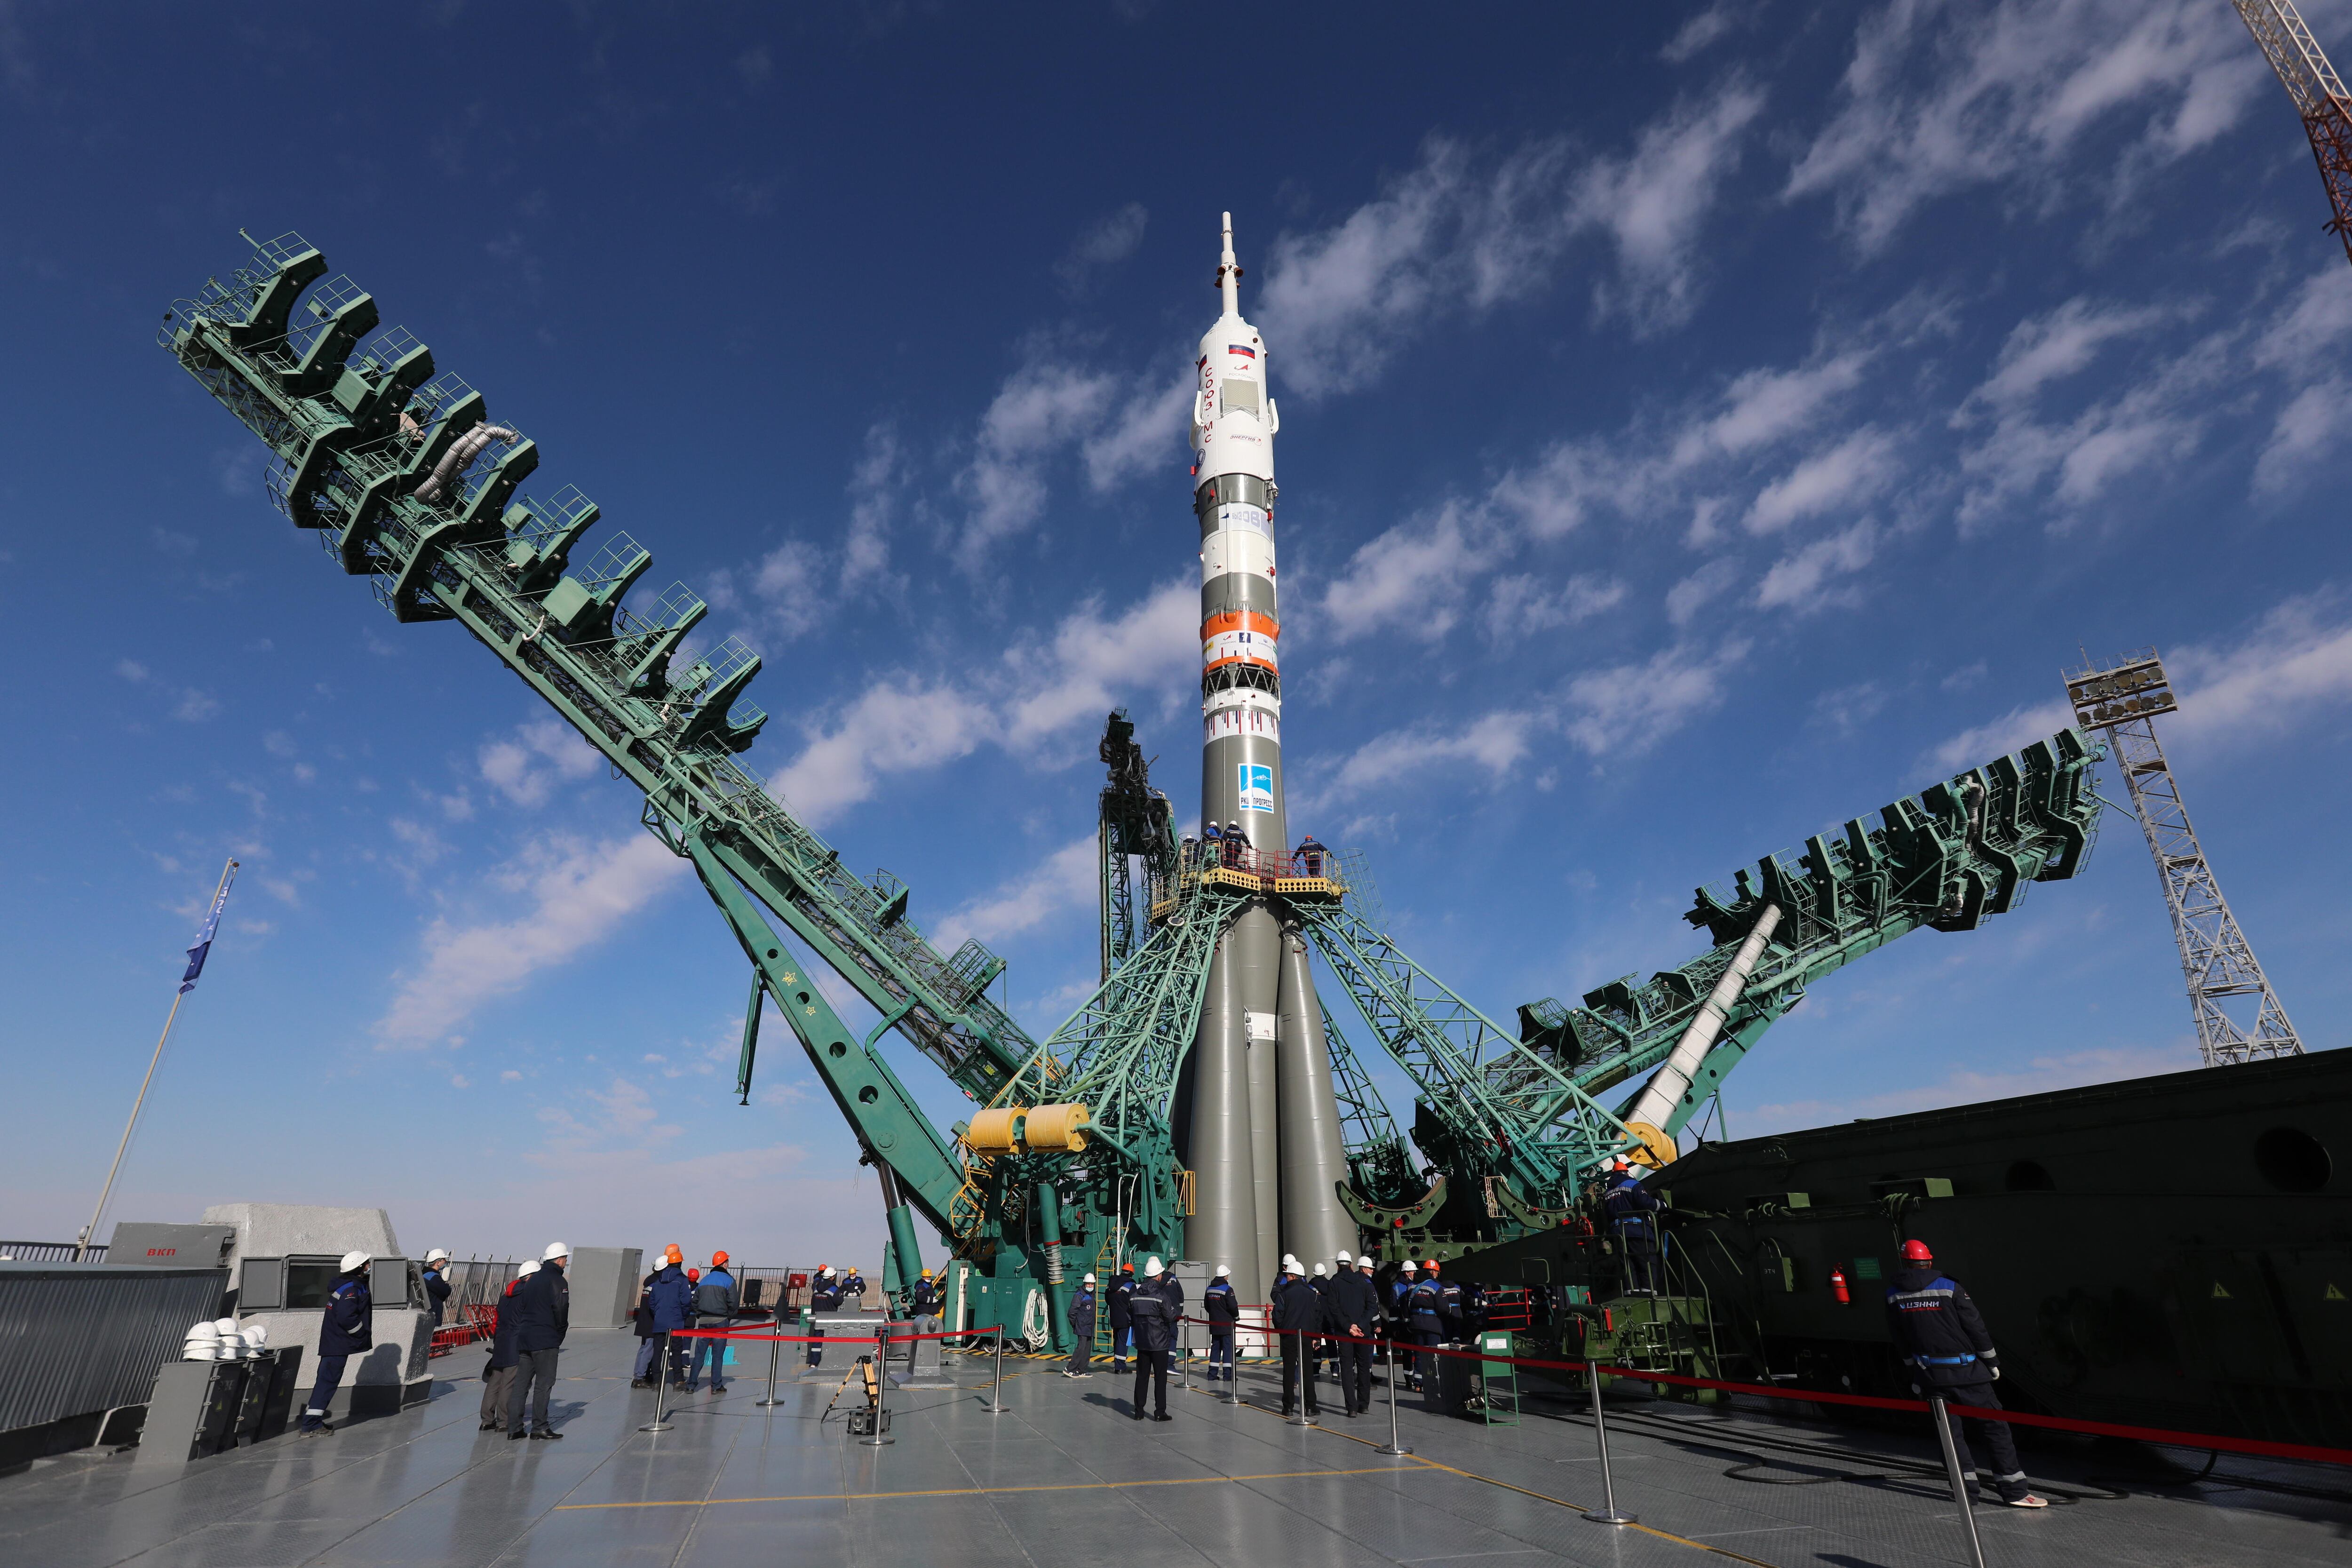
x=1264, y=1136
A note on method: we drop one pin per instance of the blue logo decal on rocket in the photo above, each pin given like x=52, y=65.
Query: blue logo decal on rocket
x=1257, y=785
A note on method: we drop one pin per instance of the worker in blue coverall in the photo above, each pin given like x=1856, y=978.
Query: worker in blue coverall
x=1082, y=1331
x=1940, y=1334
x=345, y=1329
x=1425, y=1305
x=670, y=1299
x=715, y=1296
x=1633, y=1224
x=1221, y=1305
x=1121, y=1296
x=436, y=1282
x=824, y=1296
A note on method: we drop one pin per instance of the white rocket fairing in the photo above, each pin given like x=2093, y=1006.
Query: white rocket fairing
x=1266, y=1145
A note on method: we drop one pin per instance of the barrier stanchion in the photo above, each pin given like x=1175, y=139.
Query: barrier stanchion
x=1607, y=1512
x=1394, y=1448
x=775, y=1349
x=996, y=1406
x=879, y=1437
x=1943, y=1419
x=661, y=1392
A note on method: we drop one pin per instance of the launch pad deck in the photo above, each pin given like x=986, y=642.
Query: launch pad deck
x=1066, y=1478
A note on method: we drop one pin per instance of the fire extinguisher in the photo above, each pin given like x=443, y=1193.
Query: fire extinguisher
x=1837, y=1286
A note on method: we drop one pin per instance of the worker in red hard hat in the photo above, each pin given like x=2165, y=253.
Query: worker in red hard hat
x=1632, y=1214
x=1940, y=1334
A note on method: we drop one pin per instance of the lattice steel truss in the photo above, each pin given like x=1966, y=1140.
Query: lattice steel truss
x=2217, y=961
x=2318, y=93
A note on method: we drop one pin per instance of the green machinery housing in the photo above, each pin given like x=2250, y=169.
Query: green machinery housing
x=1075, y=1143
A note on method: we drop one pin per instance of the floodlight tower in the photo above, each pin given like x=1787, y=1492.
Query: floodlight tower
x=2123, y=701
x=2318, y=95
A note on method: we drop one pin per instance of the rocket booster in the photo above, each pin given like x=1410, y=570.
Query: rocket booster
x=1266, y=1141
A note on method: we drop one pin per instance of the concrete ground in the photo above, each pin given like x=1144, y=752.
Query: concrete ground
x=1066, y=1478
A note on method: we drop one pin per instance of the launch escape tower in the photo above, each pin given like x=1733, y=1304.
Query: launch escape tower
x=1138, y=1125
x=2224, y=977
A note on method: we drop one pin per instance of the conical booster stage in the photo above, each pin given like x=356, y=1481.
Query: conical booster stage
x=1266, y=1151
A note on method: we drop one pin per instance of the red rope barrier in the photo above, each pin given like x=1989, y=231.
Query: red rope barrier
x=822, y=1338
x=2260, y=1447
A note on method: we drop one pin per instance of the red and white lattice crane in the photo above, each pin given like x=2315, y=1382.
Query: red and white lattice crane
x=2319, y=97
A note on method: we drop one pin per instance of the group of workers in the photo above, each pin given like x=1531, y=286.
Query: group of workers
x=1230, y=848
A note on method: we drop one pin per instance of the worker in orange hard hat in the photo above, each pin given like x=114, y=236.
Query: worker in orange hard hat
x=715, y=1296
x=1943, y=1338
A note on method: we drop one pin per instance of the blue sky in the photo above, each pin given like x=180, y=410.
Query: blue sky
x=1701, y=426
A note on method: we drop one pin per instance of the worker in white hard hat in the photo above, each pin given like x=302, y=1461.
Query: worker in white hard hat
x=1152, y=1311
x=542, y=1317
x=1353, y=1303
x=346, y=1330
x=1083, y=1308
x=824, y=1296
x=499, y=1372
x=1221, y=1305
x=437, y=1282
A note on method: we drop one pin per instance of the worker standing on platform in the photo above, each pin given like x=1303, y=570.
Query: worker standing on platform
x=1634, y=1224
x=1310, y=857
x=1222, y=1305
x=1354, y=1307
x=1424, y=1305
x=1940, y=1332
x=853, y=1290
x=543, y=1317
x=824, y=1297
x=715, y=1296
x=1122, y=1322
x=498, y=1371
x=1082, y=1331
x=1237, y=846
x=436, y=1282
x=1298, y=1319
x=1318, y=1350
x=649, y=1340
x=347, y=1329
x=1152, y=1316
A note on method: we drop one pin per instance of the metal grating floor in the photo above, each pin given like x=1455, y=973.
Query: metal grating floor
x=1067, y=1478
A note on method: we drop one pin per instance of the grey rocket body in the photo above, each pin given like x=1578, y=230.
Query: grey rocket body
x=1266, y=1151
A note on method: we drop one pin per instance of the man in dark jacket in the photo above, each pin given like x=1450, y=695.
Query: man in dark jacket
x=542, y=1317
x=1634, y=1224
x=498, y=1371
x=650, y=1339
x=1938, y=1331
x=824, y=1296
x=1221, y=1305
x=1298, y=1317
x=436, y=1282
x=1122, y=1322
x=1153, y=1306
x=1082, y=1331
x=346, y=1330
x=1354, y=1308
x=670, y=1302
x=715, y=1296
x=1425, y=1305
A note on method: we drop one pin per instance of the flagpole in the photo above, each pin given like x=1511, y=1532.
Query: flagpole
x=220, y=894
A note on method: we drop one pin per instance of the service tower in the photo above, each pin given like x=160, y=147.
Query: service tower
x=1266, y=1145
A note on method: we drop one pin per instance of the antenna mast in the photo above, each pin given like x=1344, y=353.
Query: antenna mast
x=2319, y=98
x=2220, y=967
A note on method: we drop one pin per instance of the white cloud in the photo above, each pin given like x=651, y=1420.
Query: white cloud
x=2310, y=333
x=1627, y=708
x=1692, y=593
x=580, y=894
x=1653, y=204
x=1146, y=431
x=890, y=728
x=1153, y=643
x=1494, y=743
x=2297, y=657
x=1798, y=578
x=1043, y=405
x=195, y=707
x=1939, y=98
x=2053, y=346
x=1105, y=243
x=2021, y=726
x=1710, y=26
x=1846, y=474
x=527, y=766
x=1413, y=578
x=1063, y=880
x=874, y=487
x=1522, y=604
x=2310, y=428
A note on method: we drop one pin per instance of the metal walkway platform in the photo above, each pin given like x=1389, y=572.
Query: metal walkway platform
x=1066, y=1478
